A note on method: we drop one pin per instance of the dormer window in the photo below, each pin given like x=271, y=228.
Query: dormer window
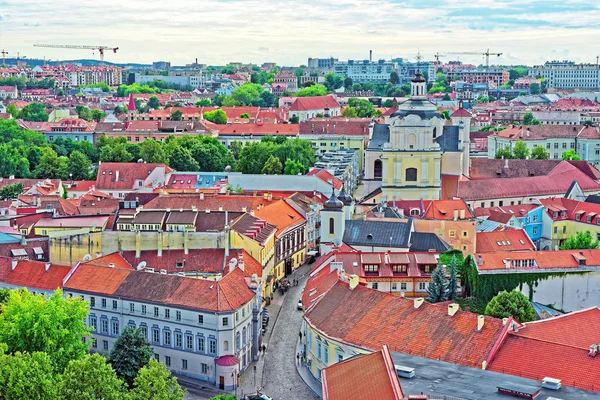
x=397, y=268
x=563, y=214
x=371, y=268
x=555, y=214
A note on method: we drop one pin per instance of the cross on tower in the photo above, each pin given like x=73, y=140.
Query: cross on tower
x=419, y=57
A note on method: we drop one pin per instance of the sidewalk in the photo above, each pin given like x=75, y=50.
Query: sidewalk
x=306, y=376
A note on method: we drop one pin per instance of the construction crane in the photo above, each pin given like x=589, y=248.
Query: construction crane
x=487, y=55
x=100, y=49
x=437, y=60
x=4, y=53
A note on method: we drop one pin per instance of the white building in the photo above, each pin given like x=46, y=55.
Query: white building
x=203, y=329
x=568, y=75
x=361, y=71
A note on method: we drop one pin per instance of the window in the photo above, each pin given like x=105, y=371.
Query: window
x=167, y=313
x=167, y=338
x=212, y=346
x=94, y=343
x=200, y=319
x=237, y=342
x=411, y=175
x=465, y=234
x=225, y=321
x=414, y=211
x=556, y=145
x=204, y=368
x=565, y=229
x=402, y=285
x=394, y=286
x=201, y=344
x=156, y=357
x=178, y=315
x=244, y=342
x=93, y=323
x=319, y=348
x=131, y=307
x=371, y=268
x=104, y=325
x=105, y=344
x=422, y=286
x=556, y=229
x=156, y=311
x=155, y=336
x=375, y=285
x=399, y=268
x=167, y=361
x=183, y=364
x=452, y=233
x=143, y=309
x=144, y=330
x=189, y=342
x=534, y=230
x=491, y=204
x=377, y=169
x=114, y=304
x=103, y=303
x=115, y=328
x=92, y=301
x=331, y=226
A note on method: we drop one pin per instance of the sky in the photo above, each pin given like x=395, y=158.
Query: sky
x=288, y=32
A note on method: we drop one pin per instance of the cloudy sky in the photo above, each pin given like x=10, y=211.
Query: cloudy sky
x=288, y=32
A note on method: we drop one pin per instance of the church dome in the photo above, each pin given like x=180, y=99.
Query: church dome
x=333, y=202
x=344, y=197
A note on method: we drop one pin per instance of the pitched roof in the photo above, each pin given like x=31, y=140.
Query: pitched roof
x=314, y=103
x=254, y=228
x=382, y=233
x=537, y=261
x=91, y=221
x=335, y=126
x=362, y=377
x=369, y=319
x=519, y=210
x=546, y=131
x=327, y=177
x=113, y=260
x=128, y=173
x=207, y=202
x=33, y=274
x=281, y=215
x=259, y=129
x=444, y=209
x=505, y=240
x=556, y=347
x=227, y=294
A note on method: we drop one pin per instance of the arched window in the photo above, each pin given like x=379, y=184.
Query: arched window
x=226, y=346
x=411, y=175
x=331, y=226
x=377, y=169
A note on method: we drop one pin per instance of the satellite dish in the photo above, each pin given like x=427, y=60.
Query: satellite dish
x=87, y=258
x=141, y=266
x=140, y=161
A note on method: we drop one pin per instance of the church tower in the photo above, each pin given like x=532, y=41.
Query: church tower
x=333, y=222
x=462, y=119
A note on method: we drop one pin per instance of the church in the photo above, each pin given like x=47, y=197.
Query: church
x=408, y=154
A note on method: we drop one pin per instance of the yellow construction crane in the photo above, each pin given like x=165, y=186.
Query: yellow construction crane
x=437, y=60
x=100, y=49
x=487, y=55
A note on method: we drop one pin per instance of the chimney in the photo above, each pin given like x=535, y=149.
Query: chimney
x=370, y=56
x=353, y=281
x=201, y=195
x=455, y=214
x=479, y=260
x=452, y=309
x=47, y=266
x=480, y=322
x=117, y=176
x=506, y=163
x=14, y=264
x=418, y=301
x=220, y=208
x=241, y=261
x=507, y=263
x=504, y=321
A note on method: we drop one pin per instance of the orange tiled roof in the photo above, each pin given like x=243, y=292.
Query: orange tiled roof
x=541, y=260
x=326, y=177
x=280, y=214
x=33, y=274
x=444, y=209
x=110, y=260
x=505, y=240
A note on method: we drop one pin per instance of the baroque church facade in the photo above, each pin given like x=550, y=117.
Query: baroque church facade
x=408, y=154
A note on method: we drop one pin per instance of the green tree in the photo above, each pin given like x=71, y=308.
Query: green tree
x=203, y=103
x=34, y=112
x=364, y=108
x=273, y=166
x=534, y=88
x=438, y=287
x=217, y=116
x=394, y=78
x=505, y=153
x=54, y=325
x=540, y=153
x=131, y=352
x=312, y=91
x=91, y=378
x=117, y=152
x=78, y=165
x=176, y=115
x=153, y=103
x=181, y=160
x=529, y=119
x=294, y=119
x=98, y=115
x=580, y=241
x=223, y=397
x=154, y=381
x=152, y=151
x=520, y=150
x=245, y=115
x=446, y=114
x=211, y=155
x=11, y=192
x=348, y=83
x=388, y=103
x=236, y=148
x=349, y=112
x=26, y=376
x=511, y=304
x=83, y=112
x=50, y=166
x=248, y=94
x=570, y=154
x=452, y=279
x=293, y=167
x=253, y=157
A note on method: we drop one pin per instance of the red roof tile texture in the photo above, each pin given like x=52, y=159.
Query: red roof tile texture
x=128, y=173
x=33, y=274
x=327, y=177
x=314, y=103
x=541, y=260
x=369, y=318
x=506, y=240
x=335, y=126
x=556, y=347
x=281, y=215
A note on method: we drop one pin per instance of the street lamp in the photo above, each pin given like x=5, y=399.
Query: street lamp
x=234, y=376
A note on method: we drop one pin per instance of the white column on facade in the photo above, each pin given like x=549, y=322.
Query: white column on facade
x=424, y=171
x=437, y=175
x=398, y=170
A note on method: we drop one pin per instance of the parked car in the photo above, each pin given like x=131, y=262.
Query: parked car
x=300, y=305
x=258, y=397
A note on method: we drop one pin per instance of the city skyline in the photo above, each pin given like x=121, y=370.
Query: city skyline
x=526, y=32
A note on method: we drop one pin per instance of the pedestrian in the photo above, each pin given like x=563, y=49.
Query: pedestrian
x=298, y=358
x=300, y=336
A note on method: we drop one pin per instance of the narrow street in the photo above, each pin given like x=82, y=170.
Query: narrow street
x=280, y=379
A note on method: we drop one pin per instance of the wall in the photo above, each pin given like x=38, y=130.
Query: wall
x=69, y=249
x=113, y=241
x=443, y=228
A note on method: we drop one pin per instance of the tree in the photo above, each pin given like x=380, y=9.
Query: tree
x=529, y=119
x=217, y=116
x=245, y=115
x=115, y=153
x=438, y=287
x=349, y=112
x=211, y=155
x=388, y=103
x=50, y=165
x=203, y=103
x=153, y=103
x=446, y=114
x=348, y=83
x=511, y=304
x=236, y=148
x=26, y=376
x=98, y=115
x=312, y=91
x=223, y=397
x=83, y=112
x=272, y=166
x=570, y=154
x=152, y=151
x=181, y=159
x=580, y=241
x=394, y=78
x=176, y=115
x=520, y=150
x=540, y=153
x=293, y=167
x=534, y=88
x=91, y=378
x=131, y=352
x=247, y=95
x=294, y=119
x=154, y=381
x=54, y=325
x=34, y=112
x=78, y=165
x=364, y=108
x=11, y=192
x=505, y=153
x=452, y=279
x=446, y=98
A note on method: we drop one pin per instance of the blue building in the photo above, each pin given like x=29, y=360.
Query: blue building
x=528, y=216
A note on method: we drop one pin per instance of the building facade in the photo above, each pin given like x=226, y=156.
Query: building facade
x=568, y=75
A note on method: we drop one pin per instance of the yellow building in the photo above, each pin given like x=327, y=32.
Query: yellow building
x=564, y=218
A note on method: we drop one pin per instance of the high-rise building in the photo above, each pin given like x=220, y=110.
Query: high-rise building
x=321, y=62
x=568, y=75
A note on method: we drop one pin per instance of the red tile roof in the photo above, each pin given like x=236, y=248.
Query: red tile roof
x=461, y=113
x=363, y=377
x=142, y=126
x=327, y=177
x=129, y=173
x=207, y=202
x=444, y=209
x=336, y=126
x=369, y=319
x=227, y=294
x=314, y=103
x=259, y=129
x=556, y=347
x=506, y=240
x=318, y=283
x=110, y=260
x=281, y=215
x=537, y=132
x=537, y=261
x=579, y=211
x=33, y=274
x=518, y=211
